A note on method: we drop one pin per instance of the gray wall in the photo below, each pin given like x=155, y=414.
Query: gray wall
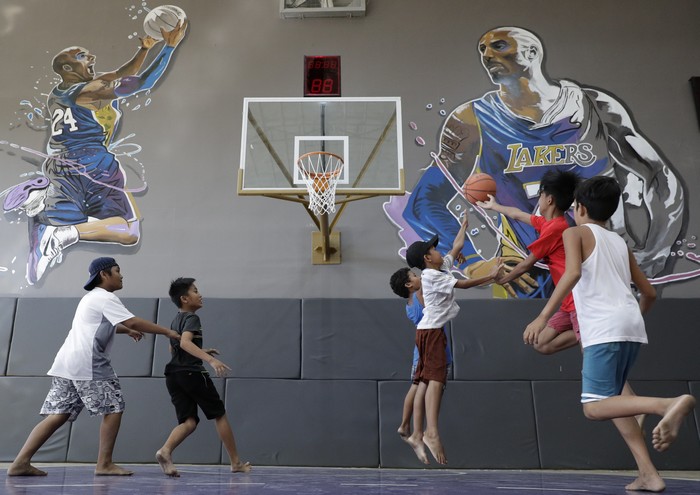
x=321, y=382
x=195, y=224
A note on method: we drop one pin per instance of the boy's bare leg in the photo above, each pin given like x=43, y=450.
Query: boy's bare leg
x=667, y=430
x=176, y=437
x=108, y=437
x=21, y=466
x=415, y=440
x=649, y=479
x=549, y=341
x=223, y=428
x=405, y=427
x=431, y=437
x=627, y=390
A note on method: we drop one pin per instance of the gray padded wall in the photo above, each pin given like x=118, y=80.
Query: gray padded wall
x=257, y=338
x=146, y=423
x=305, y=422
x=357, y=339
x=7, y=317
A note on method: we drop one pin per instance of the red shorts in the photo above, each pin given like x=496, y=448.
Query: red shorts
x=562, y=321
x=432, y=355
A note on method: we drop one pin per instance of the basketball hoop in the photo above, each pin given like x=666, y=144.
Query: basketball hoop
x=321, y=171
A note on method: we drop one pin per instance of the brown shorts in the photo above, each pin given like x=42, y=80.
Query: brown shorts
x=432, y=355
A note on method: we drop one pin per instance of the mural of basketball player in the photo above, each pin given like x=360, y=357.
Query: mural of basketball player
x=529, y=125
x=82, y=196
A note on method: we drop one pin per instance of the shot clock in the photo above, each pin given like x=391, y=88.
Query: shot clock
x=322, y=75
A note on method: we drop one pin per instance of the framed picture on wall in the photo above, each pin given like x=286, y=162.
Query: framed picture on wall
x=290, y=9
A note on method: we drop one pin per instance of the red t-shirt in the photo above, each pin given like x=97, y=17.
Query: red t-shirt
x=549, y=247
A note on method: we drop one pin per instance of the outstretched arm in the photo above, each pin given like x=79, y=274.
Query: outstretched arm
x=458, y=243
x=145, y=326
x=132, y=66
x=509, y=211
x=102, y=89
x=187, y=345
x=653, y=204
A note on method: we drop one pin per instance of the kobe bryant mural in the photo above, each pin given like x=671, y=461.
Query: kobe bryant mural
x=78, y=190
x=526, y=126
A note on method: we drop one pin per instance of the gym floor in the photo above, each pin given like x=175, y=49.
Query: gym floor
x=78, y=479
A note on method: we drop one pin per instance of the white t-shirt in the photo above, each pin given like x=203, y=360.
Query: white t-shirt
x=438, y=295
x=85, y=353
x=606, y=309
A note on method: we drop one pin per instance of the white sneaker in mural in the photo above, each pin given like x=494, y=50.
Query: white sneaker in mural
x=46, y=244
x=29, y=196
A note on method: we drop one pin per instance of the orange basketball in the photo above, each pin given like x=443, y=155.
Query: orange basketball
x=478, y=186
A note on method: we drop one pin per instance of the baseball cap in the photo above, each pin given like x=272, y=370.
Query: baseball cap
x=97, y=265
x=416, y=251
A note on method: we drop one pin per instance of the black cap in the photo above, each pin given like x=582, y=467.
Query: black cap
x=416, y=251
x=97, y=265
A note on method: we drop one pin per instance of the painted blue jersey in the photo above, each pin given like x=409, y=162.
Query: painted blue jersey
x=74, y=127
x=516, y=152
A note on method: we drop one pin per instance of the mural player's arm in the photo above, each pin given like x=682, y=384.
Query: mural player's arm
x=652, y=194
x=134, y=65
x=105, y=88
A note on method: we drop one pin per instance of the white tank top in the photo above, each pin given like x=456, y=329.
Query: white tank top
x=606, y=309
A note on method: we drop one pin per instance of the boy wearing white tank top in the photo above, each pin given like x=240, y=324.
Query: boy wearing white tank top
x=600, y=269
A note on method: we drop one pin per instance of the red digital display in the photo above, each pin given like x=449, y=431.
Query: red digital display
x=322, y=75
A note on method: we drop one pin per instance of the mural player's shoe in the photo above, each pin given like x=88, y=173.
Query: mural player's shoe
x=46, y=245
x=28, y=195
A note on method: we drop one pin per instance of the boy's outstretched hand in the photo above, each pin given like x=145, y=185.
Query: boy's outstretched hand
x=489, y=204
x=220, y=368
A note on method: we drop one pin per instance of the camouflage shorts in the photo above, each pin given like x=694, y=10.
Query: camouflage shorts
x=100, y=397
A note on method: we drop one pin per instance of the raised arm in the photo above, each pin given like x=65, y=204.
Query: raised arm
x=509, y=211
x=132, y=66
x=653, y=207
x=458, y=242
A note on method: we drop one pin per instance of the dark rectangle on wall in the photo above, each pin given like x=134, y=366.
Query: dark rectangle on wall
x=482, y=425
x=7, y=317
x=357, y=339
x=695, y=86
x=305, y=422
x=672, y=352
x=568, y=440
x=257, y=338
x=488, y=344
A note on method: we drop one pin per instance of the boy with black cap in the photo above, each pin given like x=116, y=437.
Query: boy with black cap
x=440, y=307
x=82, y=373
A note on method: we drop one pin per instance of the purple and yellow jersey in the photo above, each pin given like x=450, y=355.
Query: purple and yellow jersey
x=74, y=127
x=516, y=152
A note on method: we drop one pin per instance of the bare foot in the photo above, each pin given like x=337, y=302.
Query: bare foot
x=419, y=448
x=435, y=447
x=667, y=430
x=166, y=464
x=403, y=432
x=112, y=470
x=241, y=467
x=647, y=483
x=24, y=470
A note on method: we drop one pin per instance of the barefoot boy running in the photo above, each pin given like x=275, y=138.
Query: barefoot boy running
x=188, y=381
x=600, y=269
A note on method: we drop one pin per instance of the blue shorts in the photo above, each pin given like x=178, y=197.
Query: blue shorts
x=605, y=369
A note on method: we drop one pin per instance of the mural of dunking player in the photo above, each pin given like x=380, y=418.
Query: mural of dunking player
x=81, y=192
x=531, y=124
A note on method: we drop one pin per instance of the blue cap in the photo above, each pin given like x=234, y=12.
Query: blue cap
x=97, y=265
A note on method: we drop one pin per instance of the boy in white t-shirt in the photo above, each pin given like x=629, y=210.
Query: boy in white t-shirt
x=82, y=372
x=600, y=269
x=440, y=307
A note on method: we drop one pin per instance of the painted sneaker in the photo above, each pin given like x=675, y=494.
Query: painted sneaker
x=46, y=245
x=29, y=196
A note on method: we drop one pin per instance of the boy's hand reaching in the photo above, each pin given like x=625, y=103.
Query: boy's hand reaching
x=220, y=368
x=489, y=204
x=212, y=352
x=135, y=334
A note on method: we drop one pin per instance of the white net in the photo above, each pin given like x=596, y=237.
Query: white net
x=321, y=171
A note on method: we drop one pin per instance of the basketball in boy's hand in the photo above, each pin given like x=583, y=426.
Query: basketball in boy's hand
x=478, y=186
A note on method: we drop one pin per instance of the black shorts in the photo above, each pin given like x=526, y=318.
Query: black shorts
x=189, y=389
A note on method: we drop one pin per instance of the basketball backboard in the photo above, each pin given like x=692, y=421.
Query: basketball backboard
x=364, y=132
